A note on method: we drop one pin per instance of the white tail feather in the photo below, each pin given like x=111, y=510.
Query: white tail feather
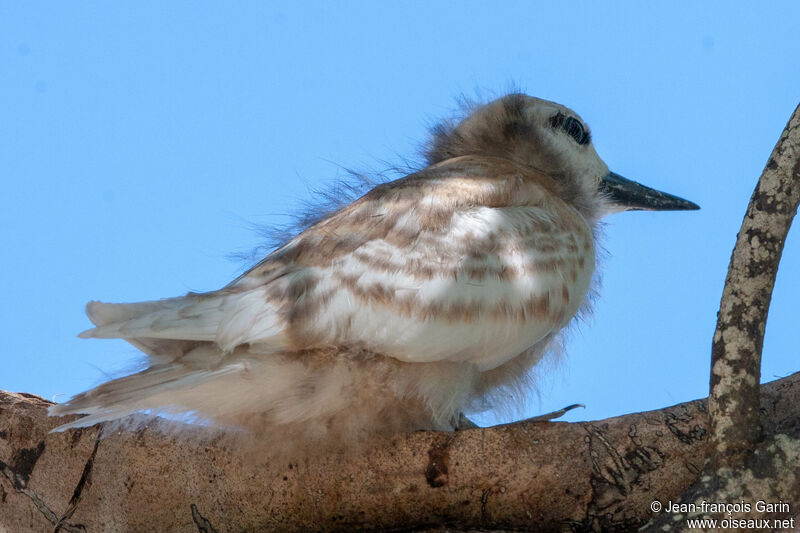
x=227, y=319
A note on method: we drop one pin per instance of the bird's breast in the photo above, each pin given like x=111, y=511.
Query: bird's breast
x=489, y=286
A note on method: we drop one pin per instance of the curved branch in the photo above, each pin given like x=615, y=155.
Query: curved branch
x=744, y=464
x=739, y=337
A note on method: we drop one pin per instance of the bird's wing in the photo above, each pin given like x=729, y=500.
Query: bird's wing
x=472, y=259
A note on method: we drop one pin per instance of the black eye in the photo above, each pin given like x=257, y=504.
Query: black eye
x=572, y=126
x=575, y=130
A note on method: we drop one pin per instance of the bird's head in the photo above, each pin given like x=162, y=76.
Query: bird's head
x=554, y=140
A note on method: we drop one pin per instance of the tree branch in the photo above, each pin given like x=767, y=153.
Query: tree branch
x=746, y=464
x=739, y=337
x=527, y=476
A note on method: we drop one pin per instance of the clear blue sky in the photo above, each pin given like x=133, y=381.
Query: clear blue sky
x=138, y=141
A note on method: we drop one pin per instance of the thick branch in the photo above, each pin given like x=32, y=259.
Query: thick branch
x=736, y=350
x=527, y=476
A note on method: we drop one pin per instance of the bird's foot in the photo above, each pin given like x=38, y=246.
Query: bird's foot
x=555, y=414
x=464, y=423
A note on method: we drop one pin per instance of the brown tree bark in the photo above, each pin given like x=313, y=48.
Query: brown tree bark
x=536, y=476
x=743, y=444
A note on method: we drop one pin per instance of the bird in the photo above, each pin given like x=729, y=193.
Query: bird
x=430, y=296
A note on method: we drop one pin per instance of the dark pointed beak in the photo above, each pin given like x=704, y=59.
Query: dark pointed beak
x=629, y=195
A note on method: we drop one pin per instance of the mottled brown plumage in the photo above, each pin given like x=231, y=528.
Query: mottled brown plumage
x=429, y=295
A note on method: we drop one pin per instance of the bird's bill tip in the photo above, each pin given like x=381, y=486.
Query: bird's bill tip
x=630, y=195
